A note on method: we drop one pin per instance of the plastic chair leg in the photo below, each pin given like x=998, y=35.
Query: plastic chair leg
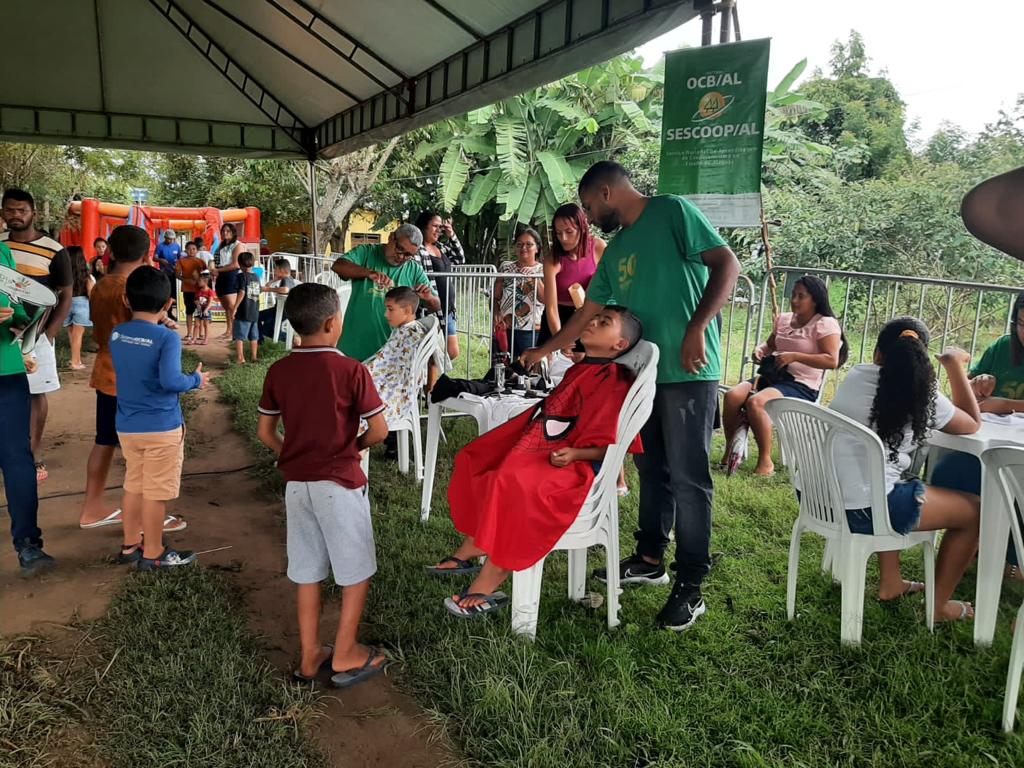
x=417, y=448
x=827, y=556
x=1016, y=667
x=403, y=451
x=430, y=464
x=929, y=584
x=794, y=569
x=526, y=599
x=851, y=620
x=614, y=590
x=577, y=574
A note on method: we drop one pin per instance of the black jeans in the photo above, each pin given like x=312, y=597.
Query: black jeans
x=16, y=460
x=675, y=477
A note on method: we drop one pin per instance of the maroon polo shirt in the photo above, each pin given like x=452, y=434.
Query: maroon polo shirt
x=320, y=395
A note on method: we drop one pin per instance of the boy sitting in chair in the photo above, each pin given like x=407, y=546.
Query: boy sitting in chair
x=518, y=488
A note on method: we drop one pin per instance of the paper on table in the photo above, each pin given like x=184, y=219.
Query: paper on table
x=1010, y=419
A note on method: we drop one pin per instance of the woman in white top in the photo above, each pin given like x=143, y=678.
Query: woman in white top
x=805, y=343
x=518, y=303
x=896, y=396
x=226, y=273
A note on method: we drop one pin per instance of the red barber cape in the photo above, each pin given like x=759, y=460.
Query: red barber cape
x=505, y=492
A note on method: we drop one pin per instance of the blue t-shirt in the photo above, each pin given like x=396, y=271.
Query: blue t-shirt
x=171, y=252
x=147, y=361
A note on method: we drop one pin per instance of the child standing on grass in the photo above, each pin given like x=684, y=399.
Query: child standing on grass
x=320, y=396
x=247, y=309
x=204, y=307
x=147, y=362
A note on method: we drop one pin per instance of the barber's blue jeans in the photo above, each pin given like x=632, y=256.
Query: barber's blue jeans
x=675, y=477
x=16, y=461
x=962, y=472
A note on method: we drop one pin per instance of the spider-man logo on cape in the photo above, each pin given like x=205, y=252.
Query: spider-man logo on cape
x=505, y=492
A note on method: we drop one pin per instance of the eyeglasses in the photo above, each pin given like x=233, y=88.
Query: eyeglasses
x=525, y=246
x=405, y=254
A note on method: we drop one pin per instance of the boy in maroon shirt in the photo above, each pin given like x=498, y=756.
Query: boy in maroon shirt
x=320, y=395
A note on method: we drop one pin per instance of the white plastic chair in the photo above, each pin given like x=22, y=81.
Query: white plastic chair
x=408, y=424
x=809, y=433
x=343, y=287
x=1007, y=464
x=598, y=520
x=280, y=321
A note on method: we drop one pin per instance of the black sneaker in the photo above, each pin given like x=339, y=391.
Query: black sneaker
x=169, y=558
x=32, y=559
x=685, y=605
x=635, y=570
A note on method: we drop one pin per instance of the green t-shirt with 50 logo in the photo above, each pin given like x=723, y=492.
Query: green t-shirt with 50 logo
x=996, y=361
x=654, y=268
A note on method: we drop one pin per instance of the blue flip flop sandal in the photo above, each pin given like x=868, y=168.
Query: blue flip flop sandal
x=462, y=568
x=492, y=603
x=351, y=677
x=298, y=677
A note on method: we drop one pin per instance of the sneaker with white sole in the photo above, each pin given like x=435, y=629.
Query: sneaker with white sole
x=685, y=605
x=169, y=558
x=635, y=570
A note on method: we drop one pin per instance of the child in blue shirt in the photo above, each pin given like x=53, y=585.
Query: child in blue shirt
x=150, y=427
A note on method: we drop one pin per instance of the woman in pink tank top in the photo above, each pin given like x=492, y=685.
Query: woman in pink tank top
x=573, y=260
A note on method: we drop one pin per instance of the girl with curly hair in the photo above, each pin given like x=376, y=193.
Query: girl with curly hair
x=896, y=396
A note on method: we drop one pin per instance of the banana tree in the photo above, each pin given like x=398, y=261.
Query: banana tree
x=527, y=153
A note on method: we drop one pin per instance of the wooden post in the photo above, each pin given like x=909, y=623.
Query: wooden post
x=768, y=265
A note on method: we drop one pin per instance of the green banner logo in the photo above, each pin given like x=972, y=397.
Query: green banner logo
x=713, y=129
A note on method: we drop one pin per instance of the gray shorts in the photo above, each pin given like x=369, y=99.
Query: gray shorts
x=329, y=530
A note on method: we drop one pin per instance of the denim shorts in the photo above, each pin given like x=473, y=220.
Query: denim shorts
x=905, y=502
x=246, y=330
x=452, y=330
x=796, y=389
x=79, y=314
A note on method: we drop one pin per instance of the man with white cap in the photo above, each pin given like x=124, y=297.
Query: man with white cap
x=169, y=250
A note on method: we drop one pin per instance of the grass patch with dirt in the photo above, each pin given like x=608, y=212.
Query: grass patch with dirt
x=745, y=687
x=170, y=676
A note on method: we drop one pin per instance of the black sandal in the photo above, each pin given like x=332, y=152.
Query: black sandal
x=462, y=568
x=492, y=603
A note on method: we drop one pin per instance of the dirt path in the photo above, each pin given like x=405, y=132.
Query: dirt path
x=371, y=725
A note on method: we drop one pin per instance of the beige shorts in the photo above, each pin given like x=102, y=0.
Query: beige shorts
x=153, y=463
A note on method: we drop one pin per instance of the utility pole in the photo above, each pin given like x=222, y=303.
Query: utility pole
x=728, y=22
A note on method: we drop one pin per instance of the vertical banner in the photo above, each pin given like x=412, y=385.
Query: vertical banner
x=713, y=129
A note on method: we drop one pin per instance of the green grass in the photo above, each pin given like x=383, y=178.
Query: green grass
x=169, y=677
x=745, y=687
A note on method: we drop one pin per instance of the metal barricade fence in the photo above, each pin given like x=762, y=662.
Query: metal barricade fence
x=965, y=314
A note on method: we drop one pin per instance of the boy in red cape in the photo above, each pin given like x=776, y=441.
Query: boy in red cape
x=516, y=489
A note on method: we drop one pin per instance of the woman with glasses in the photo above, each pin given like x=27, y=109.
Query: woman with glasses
x=518, y=303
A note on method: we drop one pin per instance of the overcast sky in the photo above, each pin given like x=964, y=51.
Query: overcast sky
x=949, y=60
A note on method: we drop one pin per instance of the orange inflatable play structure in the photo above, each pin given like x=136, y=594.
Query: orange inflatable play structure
x=90, y=218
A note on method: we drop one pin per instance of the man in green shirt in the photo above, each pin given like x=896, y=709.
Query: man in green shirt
x=674, y=271
x=373, y=271
x=16, y=462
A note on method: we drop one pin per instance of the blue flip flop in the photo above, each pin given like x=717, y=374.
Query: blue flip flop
x=492, y=602
x=351, y=677
x=462, y=568
x=298, y=677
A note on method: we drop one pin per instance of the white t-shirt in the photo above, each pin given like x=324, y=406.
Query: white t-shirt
x=226, y=254
x=853, y=399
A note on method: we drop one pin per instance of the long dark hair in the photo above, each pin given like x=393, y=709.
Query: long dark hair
x=79, y=271
x=1016, y=348
x=423, y=220
x=234, y=236
x=906, y=384
x=574, y=215
x=818, y=292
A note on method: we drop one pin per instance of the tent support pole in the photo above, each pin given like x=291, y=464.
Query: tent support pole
x=315, y=238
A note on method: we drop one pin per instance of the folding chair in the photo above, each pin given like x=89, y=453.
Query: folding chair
x=598, y=520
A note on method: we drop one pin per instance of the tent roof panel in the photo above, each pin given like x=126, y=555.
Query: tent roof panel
x=293, y=78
